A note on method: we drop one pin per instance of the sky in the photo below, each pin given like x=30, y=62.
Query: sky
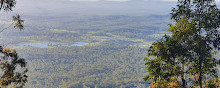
x=122, y=0
x=94, y=7
x=126, y=0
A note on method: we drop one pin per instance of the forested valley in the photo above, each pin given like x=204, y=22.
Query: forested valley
x=103, y=44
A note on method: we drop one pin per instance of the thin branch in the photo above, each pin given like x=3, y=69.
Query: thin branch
x=2, y=1
x=7, y=27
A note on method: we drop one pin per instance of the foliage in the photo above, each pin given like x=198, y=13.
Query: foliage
x=172, y=52
x=191, y=46
x=212, y=83
x=7, y=5
x=13, y=68
x=173, y=83
x=19, y=22
x=206, y=15
x=158, y=67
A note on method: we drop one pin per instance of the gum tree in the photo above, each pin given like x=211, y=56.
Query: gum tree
x=13, y=69
x=207, y=17
x=189, y=51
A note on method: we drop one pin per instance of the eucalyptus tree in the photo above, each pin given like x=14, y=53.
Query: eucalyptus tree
x=207, y=17
x=190, y=50
x=172, y=53
x=7, y=6
x=13, y=69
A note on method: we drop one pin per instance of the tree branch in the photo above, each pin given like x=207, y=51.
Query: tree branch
x=7, y=27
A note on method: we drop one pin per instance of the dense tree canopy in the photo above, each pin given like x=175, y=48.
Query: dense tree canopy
x=189, y=52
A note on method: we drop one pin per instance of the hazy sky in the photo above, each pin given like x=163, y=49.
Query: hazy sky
x=123, y=0
x=94, y=7
x=127, y=0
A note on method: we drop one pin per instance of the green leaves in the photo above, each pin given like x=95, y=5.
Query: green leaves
x=11, y=74
x=191, y=48
x=18, y=22
x=9, y=62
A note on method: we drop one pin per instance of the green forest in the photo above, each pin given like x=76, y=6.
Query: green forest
x=186, y=58
x=51, y=47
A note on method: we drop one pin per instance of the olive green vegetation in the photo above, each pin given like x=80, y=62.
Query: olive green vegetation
x=113, y=56
x=188, y=54
x=86, y=66
x=13, y=69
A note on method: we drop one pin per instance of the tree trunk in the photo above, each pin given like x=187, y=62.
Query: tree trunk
x=200, y=80
x=200, y=73
x=182, y=77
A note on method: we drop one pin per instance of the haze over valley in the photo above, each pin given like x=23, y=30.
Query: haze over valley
x=75, y=44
